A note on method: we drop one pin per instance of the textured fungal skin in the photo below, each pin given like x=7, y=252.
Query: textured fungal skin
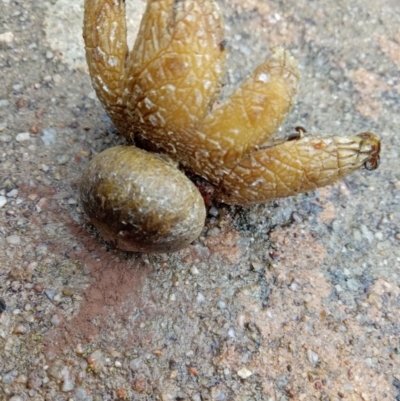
x=145, y=204
x=161, y=95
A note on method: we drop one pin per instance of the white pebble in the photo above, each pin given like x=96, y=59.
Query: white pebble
x=244, y=373
x=368, y=362
x=367, y=233
x=13, y=239
x=23, y=136
x=49, y=136
x=194, y=270
x=221, y=304
x=353, y=284
x=3, y=201
x=68, y=381
x=6, y=37
x=79, y=349
x=135, y=364
x=338, y=288
x=313, y=358
x=263, y=77
x=17, y=87
x=16, y=398
x=55, y=320
x=4, y=103
x=13, y=193
x=92, y=95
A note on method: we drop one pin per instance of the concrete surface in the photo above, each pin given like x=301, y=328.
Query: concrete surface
x=295, y=300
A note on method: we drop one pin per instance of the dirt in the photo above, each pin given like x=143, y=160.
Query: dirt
x=294, y=300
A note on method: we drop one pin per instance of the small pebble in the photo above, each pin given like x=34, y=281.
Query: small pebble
x=221, y=304
x=57, y=78
x=4, y=103
x=6, y=37
x=244, y=373
x=367, y=233
x=62, y=159
x=313, y=358
x=50, y=294
x=23, y=136
x=136, y=364
x=49, y=136
x=20, y=329
x=194, y=270
x=9, y=377
x=257, y=266
x=34, y=129
x=17, y=88
x=79, y=349
x=139, y=385
x=16, y=398
x=213, y=212
x=81, y=394
x=338, y=288
x=68, y=292
x=21, y=379
x=375, y=299
x=13, y=193
x=193, y=371
x=368, y=362
x=57, y=298
x=41, y=205
x=213, y=232
x=68, y=380
x=353, y=284
x=38, y=288
x=13, y=239
x=41, y=249
x=49, y=55
x=3, y=201
x=92, y=95
x=96, y=361
x=219, y=396
x=118, y=364
x=55, y=320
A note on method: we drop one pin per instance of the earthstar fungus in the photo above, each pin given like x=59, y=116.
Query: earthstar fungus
x=161, y=94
